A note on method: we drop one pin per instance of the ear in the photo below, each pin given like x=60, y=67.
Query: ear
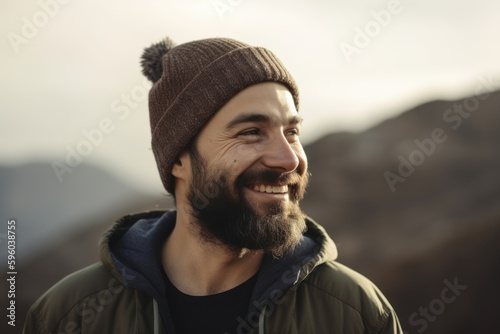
x=182, y=166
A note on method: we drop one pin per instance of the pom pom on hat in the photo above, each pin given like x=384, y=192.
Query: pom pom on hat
x=151, y=59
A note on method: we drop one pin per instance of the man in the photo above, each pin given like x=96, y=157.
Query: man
x=237, y=255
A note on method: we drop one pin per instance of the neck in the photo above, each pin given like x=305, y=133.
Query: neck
x=198, y=267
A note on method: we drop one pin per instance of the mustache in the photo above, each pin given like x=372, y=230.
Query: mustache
x=270, y=177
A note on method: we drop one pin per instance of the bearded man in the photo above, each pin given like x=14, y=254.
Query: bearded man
x=237, y=255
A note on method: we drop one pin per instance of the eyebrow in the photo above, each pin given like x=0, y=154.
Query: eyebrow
x=259, y=118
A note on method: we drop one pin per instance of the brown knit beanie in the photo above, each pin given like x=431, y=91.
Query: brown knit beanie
x=192, y=82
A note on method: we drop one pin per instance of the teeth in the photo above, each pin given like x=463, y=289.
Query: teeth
x=271, y=189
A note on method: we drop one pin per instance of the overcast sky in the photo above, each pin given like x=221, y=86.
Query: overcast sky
x=67, y=68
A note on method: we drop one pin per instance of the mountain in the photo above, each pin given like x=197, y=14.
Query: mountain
x=412, y=203
x=415, y=201
x=356, y=186
x=58, y=224
x=419, y=286
x=47, y=210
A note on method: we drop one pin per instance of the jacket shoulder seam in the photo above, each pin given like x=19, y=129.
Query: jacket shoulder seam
x=71, y=306
x=78, y=301
x=382, y=320
x=40, y=321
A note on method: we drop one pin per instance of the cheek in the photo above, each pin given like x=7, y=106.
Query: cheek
x=241, y=157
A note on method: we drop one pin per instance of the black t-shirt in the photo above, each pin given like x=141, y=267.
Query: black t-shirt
x=216, y=313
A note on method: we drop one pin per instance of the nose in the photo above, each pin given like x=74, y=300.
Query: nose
x=280, y=154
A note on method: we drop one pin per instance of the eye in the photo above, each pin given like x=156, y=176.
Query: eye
x=250, y=132
x=293, y=132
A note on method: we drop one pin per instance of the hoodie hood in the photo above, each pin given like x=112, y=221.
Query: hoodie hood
x=131, y=249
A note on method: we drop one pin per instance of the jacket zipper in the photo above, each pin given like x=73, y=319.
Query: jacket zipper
x=156, y=324
x=262, y=316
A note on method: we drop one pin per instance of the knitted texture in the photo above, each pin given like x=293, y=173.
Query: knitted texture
x=197, y=79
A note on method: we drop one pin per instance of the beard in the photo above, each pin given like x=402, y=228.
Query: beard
x=224, y=215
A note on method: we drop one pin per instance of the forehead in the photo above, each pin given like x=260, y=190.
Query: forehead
x=270, y=99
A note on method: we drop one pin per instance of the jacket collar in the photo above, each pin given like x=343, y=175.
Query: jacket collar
x=131, y=249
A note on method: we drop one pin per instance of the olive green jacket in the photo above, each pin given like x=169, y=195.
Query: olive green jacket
x=311, y=294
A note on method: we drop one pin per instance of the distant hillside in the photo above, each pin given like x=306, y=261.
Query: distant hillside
x=59, y=223
x=459, y=182
x=407, y=212
x=47, y=210
x=440, y=220
x=468, y=260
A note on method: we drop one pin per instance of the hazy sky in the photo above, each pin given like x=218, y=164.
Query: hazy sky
x=69, y=68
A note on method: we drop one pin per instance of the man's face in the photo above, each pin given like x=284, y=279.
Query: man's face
x=249, y=172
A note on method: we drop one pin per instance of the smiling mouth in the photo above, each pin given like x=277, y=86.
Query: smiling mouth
x=271, y=189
